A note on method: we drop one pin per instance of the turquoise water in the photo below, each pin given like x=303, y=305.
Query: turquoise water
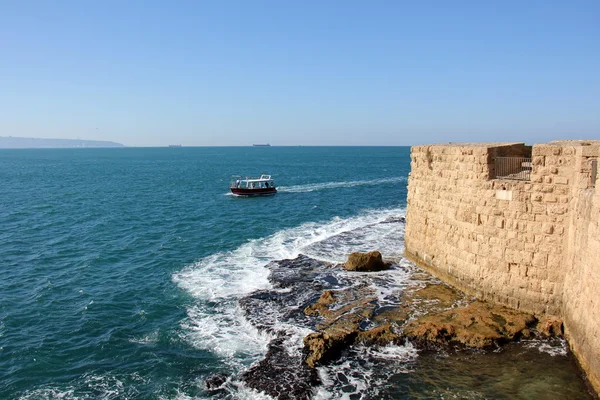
x=121, y=268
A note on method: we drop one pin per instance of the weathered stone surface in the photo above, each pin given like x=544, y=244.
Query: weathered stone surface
x=321, y=306
x=549, y=325
x=371, y=261
x=477, y=325
x=445, y=295
x=342, y=313
x=382, y=335
x=339, y=326
x=324, y=346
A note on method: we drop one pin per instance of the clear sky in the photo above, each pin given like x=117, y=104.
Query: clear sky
x=147, y=73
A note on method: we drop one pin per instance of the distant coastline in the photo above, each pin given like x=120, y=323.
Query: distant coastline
x=262, y=145
x=10, y=142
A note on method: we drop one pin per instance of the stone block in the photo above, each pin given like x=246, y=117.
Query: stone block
x=561, y=180
x=539, y=259
x=504, y=195
x=541, y=150
x=558, y=209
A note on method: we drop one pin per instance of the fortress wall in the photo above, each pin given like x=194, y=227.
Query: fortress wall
x=581, y=293
x=531, y=245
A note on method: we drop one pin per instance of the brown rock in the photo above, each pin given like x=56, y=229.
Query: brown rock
x=379, y=335
x=322, y=305
x=362, y=262
x=550, y=326
x=323, y=346
x=476, y=325
x=445, y=295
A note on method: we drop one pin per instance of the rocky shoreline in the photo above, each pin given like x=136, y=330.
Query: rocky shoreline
x=334, y=308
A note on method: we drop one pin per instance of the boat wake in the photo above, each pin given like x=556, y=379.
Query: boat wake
x=336, y=185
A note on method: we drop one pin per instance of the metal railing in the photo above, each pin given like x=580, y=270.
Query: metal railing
x=594, y=172
x=517, y=168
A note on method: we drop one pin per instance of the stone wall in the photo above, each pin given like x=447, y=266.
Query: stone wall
x=533, y=245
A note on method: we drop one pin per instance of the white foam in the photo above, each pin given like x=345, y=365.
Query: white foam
x=401, y=353
x=146, y=339
x=554, y=347
x=225, y=332
x=241, y=271
x=359, y=378
x=246, y=393
x=91, y=386
x=335, y=185
x=216, y=323
x=49, y=393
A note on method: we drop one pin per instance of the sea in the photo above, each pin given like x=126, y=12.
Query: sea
x=121, y=272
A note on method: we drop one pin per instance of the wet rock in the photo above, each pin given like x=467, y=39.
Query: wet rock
x=342, y=314
x=324, y=346
x=215, y=382
x=392, y=220
x=304, y=278
x=304, y=272
x=364, y=262
x=380, y=335
x=322, y=304
x=445, y=296
x=282, y=375
x=549, y=326
x=477, y=325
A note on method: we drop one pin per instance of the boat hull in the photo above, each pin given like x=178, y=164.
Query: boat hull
x=253, y=192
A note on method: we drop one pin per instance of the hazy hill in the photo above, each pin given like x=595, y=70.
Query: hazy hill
x=34, y=143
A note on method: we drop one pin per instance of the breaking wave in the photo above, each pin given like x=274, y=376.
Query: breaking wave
x=215, y=322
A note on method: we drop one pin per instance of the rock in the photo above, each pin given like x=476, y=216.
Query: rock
x=321, y=306
x=282, y=375
x=445, y=295
x=215, y=382
x=550, y=326
x=338, y=327
x=477, y=325
x=392, y=220
x=380, y=335
x=363, y=262
x=325, y=346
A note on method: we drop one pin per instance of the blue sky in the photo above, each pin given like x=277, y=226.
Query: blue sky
x=323, y=72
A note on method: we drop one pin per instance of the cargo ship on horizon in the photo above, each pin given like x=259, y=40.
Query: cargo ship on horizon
x=262, y=145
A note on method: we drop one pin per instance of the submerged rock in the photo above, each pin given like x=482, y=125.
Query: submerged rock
x=215, y=382
x=363, y=262
x=478, y=325
x=443, y=295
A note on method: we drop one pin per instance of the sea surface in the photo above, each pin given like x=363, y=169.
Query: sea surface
x=121, y=271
